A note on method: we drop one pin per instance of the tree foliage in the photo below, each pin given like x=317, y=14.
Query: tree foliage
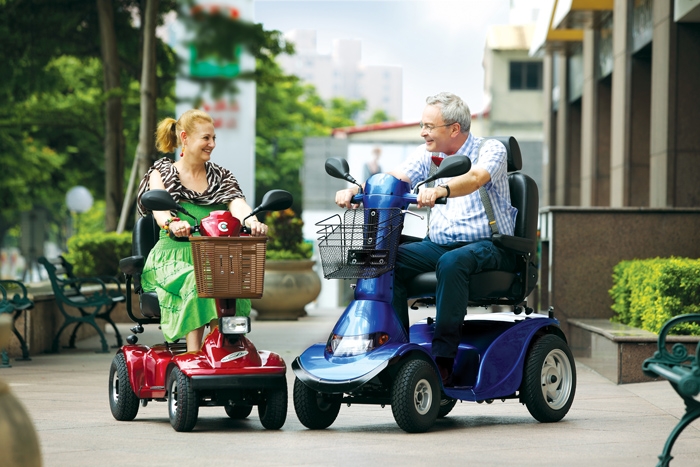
x=287, y=112
x=51, y=94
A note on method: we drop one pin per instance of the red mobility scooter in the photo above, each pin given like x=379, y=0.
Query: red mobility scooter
x=228, y=371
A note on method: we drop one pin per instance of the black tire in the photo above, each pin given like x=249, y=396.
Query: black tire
x=415, y=397
x=122, y=401
x=273, y=411
x=314, y=411
x=238, y=411
x=183, y=407
x=446, y=406
x=549, y=381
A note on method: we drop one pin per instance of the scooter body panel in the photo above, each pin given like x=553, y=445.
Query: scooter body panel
x=319, y=368
x=492, y=352
x=221, y=363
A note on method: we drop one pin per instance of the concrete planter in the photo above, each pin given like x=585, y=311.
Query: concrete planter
x=289, y=287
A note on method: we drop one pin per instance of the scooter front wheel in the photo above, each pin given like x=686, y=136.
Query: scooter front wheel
x=549, y=382
x=314, y=410
x=415, y=397
x=183, y=406
x=273, y=411
x=122, y=401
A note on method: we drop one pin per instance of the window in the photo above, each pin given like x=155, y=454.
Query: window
x=525, y=75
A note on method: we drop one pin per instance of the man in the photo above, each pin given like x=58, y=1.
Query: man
x=459, y=235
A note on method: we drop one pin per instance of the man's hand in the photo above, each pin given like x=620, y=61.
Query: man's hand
x=343, y=198
x=428, y=196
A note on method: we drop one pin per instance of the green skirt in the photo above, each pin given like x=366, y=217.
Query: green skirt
x=169, y=271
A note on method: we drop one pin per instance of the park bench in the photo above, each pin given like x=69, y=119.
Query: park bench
x=682, y=369
x=76, y=293
x=17, y=303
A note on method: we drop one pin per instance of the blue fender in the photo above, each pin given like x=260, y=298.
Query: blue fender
x=502, y=365
x=327, y=374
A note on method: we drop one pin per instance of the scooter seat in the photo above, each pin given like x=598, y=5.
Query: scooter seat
x=487, y=285
x=149, y=305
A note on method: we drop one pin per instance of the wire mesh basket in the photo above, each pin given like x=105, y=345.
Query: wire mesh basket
x=363, y=245
x=229, y=267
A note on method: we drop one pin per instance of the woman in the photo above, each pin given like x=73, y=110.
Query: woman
x=200, y=186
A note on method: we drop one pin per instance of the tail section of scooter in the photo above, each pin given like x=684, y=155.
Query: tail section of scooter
x=229, y=370
x=370, y=359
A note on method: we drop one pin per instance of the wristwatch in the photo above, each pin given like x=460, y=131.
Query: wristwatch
x=447, y=188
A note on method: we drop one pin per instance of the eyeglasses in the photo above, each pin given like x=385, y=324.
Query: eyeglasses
x=429, y=128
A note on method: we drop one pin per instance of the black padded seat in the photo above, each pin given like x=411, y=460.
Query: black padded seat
x=502, y=287
x=145, y=235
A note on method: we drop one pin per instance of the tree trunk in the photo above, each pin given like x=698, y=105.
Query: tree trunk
x=145, y=151
x=114, y=134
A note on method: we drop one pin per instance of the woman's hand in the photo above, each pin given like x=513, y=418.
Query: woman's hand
x=257, y=228
x=180, y=228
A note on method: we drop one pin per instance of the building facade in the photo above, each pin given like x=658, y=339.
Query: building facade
x=621, y=92
x=342, y=74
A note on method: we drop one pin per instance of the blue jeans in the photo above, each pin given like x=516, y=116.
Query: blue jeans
x=453, y=264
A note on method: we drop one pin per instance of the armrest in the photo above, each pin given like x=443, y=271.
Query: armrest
x=518, y=245
x=77, y=283
x=19, y=300
x=132, y=265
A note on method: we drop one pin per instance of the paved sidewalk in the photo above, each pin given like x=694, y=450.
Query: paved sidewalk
x=608, y=425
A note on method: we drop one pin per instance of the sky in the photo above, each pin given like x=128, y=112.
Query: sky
x=438, y=43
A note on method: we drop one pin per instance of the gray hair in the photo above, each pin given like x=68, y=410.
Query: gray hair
x=453, y=109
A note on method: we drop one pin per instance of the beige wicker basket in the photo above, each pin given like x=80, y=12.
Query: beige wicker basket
x=229, y=267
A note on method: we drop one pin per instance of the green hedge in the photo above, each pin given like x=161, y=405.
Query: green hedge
x=647, y=293
x=98, y=254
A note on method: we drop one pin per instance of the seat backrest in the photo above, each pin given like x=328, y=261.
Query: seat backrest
x=524, y=196
x=143, y=238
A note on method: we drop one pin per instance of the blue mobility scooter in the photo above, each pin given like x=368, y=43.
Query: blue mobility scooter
x=369, y=357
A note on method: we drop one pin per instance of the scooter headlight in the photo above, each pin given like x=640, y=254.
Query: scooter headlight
x=234, y=324
x=348, y=346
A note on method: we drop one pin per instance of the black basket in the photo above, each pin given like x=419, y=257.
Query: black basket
x=361, y=246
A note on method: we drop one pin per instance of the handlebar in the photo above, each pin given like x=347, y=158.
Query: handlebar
x=411, y=198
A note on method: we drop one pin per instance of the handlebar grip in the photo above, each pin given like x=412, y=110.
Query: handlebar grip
x=357, y=199
x=245, y=229
x=441, y=201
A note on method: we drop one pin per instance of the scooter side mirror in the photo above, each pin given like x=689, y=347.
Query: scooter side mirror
x=452, y=166
x=160, y=200
x=274, y=200
x=337, y=167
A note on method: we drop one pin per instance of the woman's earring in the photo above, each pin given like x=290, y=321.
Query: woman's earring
x=182, y=154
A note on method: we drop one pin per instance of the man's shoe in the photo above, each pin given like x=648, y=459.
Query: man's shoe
x=445, y=368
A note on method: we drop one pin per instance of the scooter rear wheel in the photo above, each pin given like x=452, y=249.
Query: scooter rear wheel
x=314, y=411
x=273, y=411
x=415, y=397
x=549, y=382
x=122, y=401
x=183, y=406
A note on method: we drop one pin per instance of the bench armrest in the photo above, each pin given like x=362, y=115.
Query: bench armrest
x=19, y=300
x=132, y=265
x=519, y=245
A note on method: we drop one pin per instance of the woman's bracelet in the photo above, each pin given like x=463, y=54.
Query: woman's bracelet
x=166, y=226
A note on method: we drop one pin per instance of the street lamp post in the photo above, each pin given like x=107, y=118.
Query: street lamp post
x=78, y=200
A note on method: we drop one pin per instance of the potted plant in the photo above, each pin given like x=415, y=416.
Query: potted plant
x=290, y=281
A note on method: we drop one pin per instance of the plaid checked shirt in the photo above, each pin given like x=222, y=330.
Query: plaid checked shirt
x=463, y=219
